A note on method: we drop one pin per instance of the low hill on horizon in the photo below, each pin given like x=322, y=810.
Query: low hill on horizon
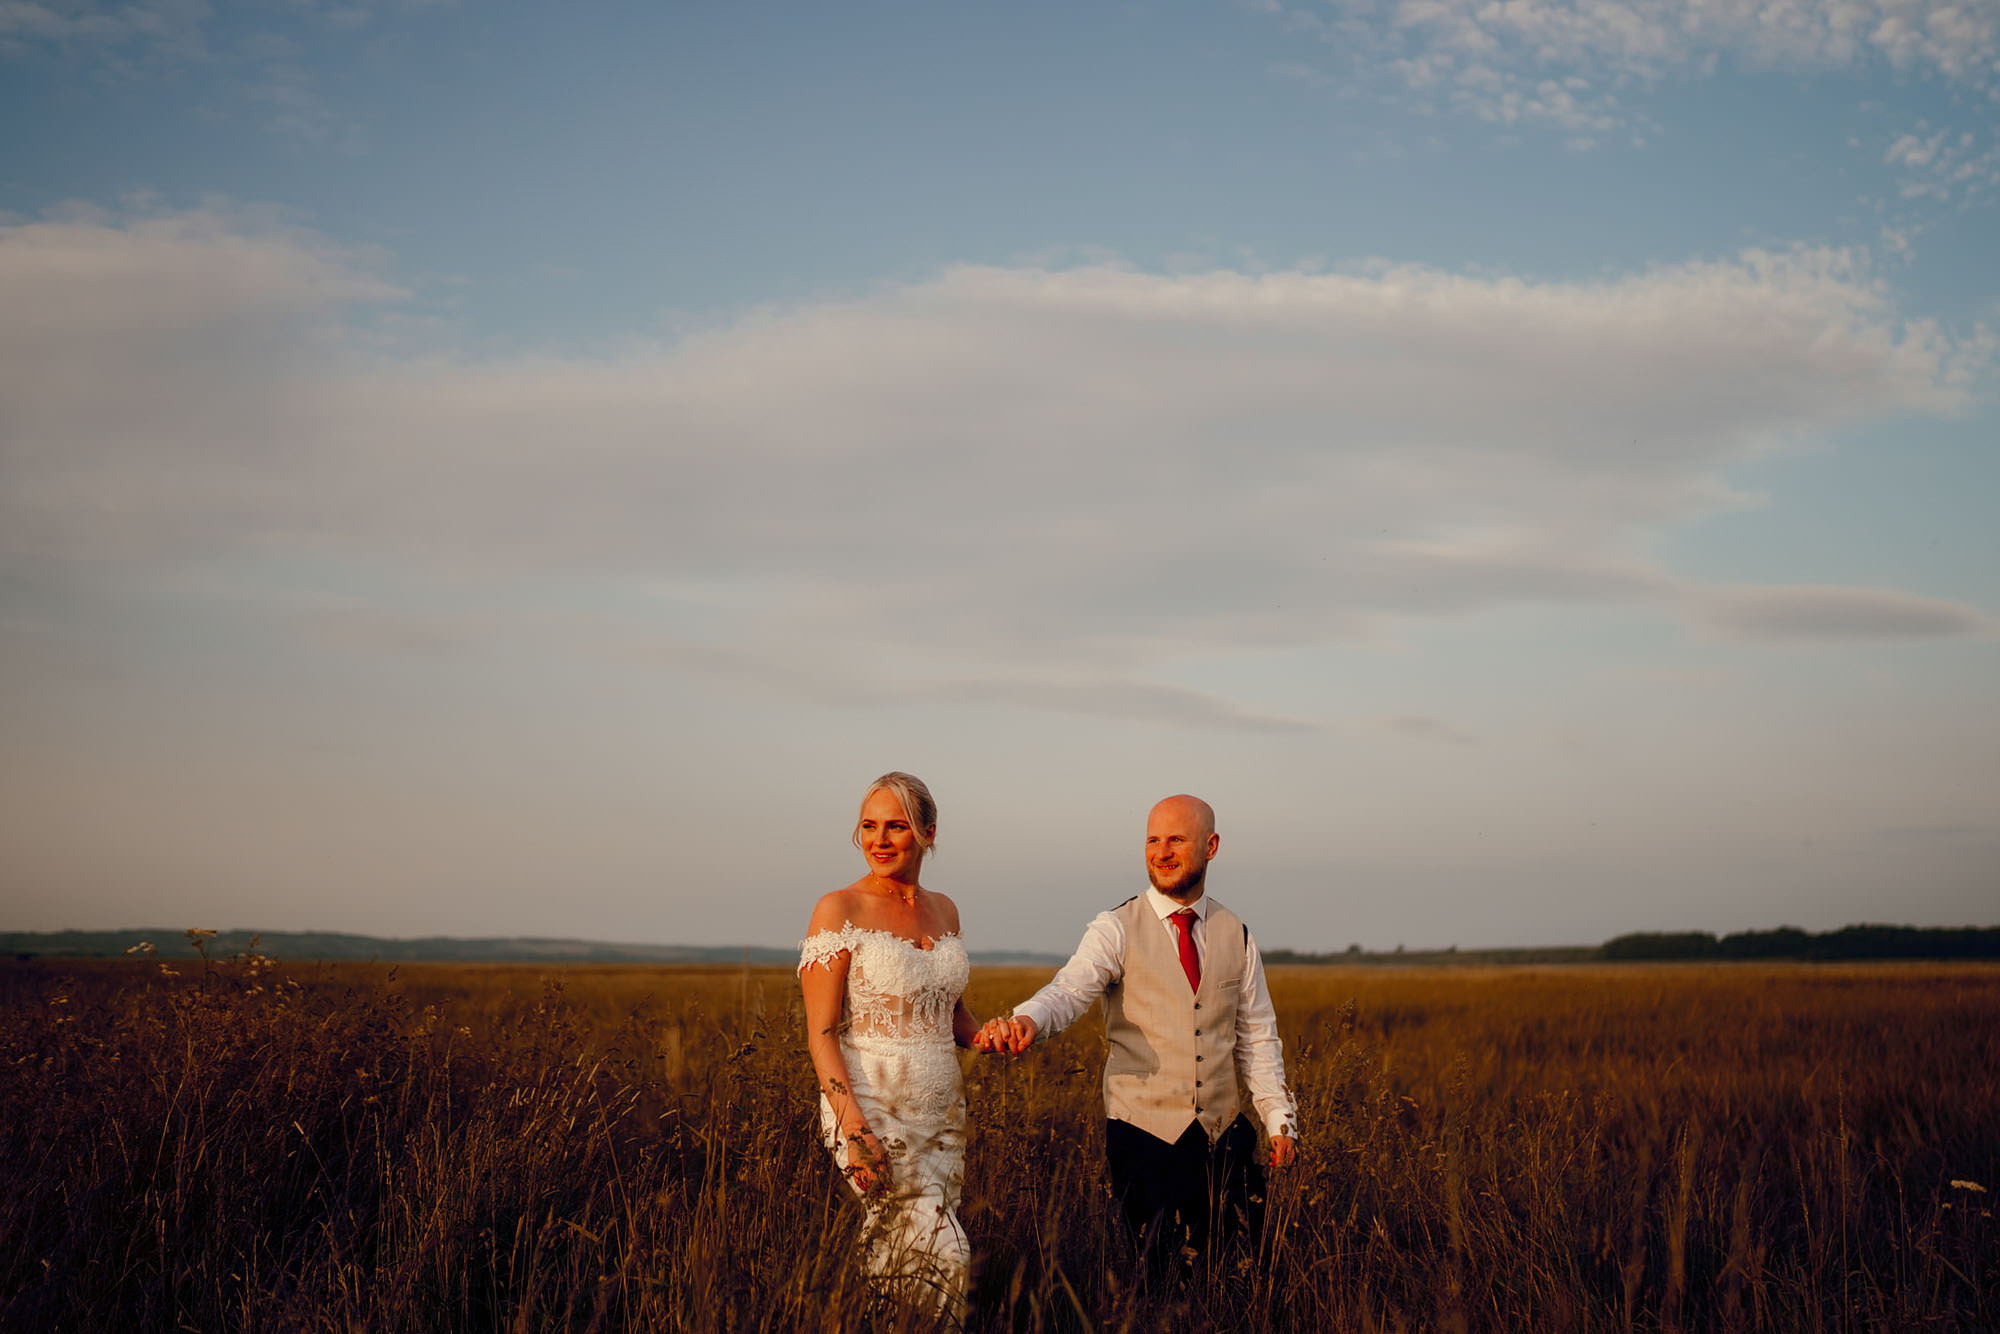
x=342, y=946
x=1850, y=943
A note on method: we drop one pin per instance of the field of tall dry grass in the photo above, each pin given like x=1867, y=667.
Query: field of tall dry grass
x=248, y=1146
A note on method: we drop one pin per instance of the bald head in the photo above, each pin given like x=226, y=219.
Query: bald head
x=1180, y=840
x=1184, y=807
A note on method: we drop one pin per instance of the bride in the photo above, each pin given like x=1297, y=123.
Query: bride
x=882, y=968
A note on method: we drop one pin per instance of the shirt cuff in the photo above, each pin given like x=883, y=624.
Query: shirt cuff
x=1030, y=1010
x=1281, y=1123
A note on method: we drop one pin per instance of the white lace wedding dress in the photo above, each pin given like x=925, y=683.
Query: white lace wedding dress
x=896, y=1037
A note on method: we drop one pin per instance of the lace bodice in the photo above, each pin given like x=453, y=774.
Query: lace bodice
x=896, y=991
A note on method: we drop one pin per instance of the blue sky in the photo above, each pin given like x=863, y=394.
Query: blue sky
x=501, y=469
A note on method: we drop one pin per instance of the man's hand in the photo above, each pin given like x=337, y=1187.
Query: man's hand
x=1284, y=1151
x=1012, y=1036
x=1021, y=1034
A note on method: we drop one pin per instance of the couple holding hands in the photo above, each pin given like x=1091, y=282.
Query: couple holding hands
x=1186, y=1013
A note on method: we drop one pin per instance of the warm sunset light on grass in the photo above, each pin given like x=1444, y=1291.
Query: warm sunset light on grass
x=1697, y=1147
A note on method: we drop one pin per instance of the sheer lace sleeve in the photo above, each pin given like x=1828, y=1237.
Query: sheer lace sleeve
x=821, y=947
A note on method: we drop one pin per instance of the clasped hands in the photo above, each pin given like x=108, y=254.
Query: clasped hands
x=1011, y=1036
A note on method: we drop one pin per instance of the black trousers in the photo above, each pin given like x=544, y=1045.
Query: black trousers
x=1188, y=1193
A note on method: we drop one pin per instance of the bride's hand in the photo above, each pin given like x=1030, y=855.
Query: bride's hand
x=867, y=1162
x=1012, y=1036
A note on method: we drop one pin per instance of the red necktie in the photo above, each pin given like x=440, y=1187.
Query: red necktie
x=1190, y=961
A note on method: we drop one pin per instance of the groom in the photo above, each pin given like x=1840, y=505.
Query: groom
x=1186, y=1012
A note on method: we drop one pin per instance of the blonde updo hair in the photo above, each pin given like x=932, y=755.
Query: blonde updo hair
x=918, y=807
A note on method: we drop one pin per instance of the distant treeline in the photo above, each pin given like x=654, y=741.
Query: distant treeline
x=1789, y=942
x=1785, y=942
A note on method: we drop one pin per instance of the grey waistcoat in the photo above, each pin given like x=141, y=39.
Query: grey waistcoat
x=1173, y=1050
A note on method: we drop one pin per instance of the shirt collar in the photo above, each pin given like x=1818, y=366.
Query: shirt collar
x=1166, y=907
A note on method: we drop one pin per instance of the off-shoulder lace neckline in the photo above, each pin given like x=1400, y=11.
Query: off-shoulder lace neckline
x=849, y=928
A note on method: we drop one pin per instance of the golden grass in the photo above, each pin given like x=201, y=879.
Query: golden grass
x=1729, y=1147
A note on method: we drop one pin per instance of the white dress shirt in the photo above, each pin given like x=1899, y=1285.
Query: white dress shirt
x=1100, y=960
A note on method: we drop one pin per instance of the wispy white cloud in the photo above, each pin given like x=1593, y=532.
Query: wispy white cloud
x=262, y=54
x=1574, y=64
x=172, y=30
x=165, y=30
x=1947, y=165
x=1036, y=486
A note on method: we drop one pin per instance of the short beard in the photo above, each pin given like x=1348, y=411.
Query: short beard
x=1186, y=887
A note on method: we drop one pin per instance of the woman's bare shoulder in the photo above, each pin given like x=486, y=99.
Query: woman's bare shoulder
x=833, y=911
x=947, y=911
